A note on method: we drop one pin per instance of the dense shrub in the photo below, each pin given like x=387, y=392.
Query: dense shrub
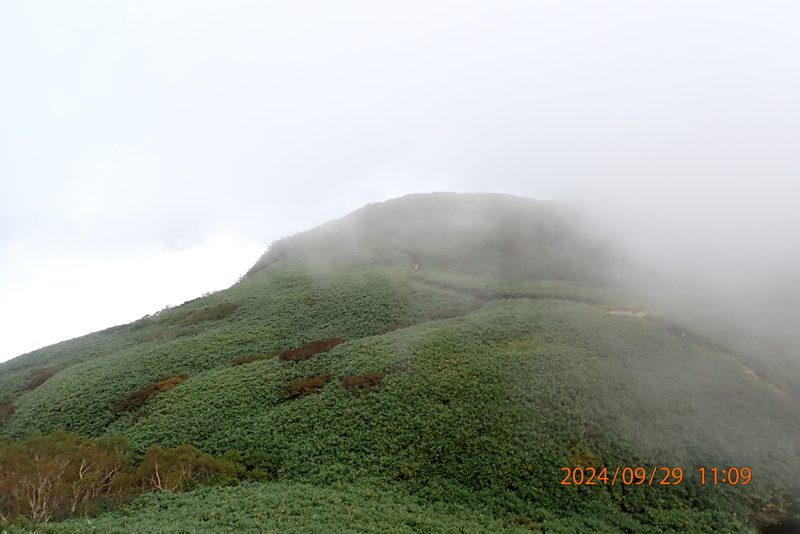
x=362, y=383
x=261, y=466
x=209, y=313
x=310, y=349
x=262, y=356
x=60, y=474
x=6, y=410
x=288, y=507
x=241, y=361
x=63, y=475
x=138, y=398
x=180, y=468
x=524, y=521
x=166, y=333
x=134, y=401
x=392, y=328
x=306, y=386
x=582, y=458
x=444, y=314
x=166, y=384
x=41, y=377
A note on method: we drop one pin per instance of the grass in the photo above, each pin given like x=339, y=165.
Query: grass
x=287, y=508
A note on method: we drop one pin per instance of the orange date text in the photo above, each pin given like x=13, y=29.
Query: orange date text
x=663, y=476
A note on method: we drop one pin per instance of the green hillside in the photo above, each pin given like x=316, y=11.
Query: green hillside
x=476, y=345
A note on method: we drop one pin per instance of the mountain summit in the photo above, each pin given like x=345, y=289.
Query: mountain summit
x=475, y=234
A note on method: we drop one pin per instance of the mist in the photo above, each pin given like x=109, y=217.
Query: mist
x=133, y=132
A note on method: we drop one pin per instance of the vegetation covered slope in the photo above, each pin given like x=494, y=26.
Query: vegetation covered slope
x=481, y=348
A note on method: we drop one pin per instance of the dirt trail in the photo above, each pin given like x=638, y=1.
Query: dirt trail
x=633, y=313
x=764, y=380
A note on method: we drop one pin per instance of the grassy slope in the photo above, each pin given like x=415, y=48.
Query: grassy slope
x=480, y=410
x=289, y=509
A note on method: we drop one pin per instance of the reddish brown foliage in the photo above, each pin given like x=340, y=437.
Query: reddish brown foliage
x=166, y=384
x=133, y=401
x=41, y=377
x=593, y=432
x=311, y=303
x=310, y=349
x=6, y=410
x=362, y=383
x=306, y=386
x=526, y=522
x=401, y=368
x=242, y=361
x=137, y=399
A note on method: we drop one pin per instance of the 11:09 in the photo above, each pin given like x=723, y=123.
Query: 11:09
x=732, y=475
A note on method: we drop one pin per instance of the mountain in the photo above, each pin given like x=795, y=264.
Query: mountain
x=435, y=363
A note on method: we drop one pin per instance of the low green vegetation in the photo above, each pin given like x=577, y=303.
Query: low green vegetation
x=353, y=392
x=209, y=313
x=251, y=508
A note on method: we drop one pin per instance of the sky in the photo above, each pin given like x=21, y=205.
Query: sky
x=150, y=151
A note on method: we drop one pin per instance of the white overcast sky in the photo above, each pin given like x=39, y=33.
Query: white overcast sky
x=151, y=150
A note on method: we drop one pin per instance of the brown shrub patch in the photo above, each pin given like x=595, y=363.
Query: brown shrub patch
x=138, y=398
x=210, y=313
x=242, y=361
x=401, y=368
x=6, y=410
x=582, y=458
x=165, y=333
x=526, y=521
x=166, y=384
x=476, y=304
x=520, y=343
x=362, y=383
x=311, y=303
x=593, y=433
x=307, y=351
x=306, y=386
x=41, y=377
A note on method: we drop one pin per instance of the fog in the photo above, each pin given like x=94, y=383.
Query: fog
x=150, y=152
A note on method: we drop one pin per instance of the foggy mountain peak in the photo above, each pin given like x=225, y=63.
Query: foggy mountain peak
x=484, y=234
